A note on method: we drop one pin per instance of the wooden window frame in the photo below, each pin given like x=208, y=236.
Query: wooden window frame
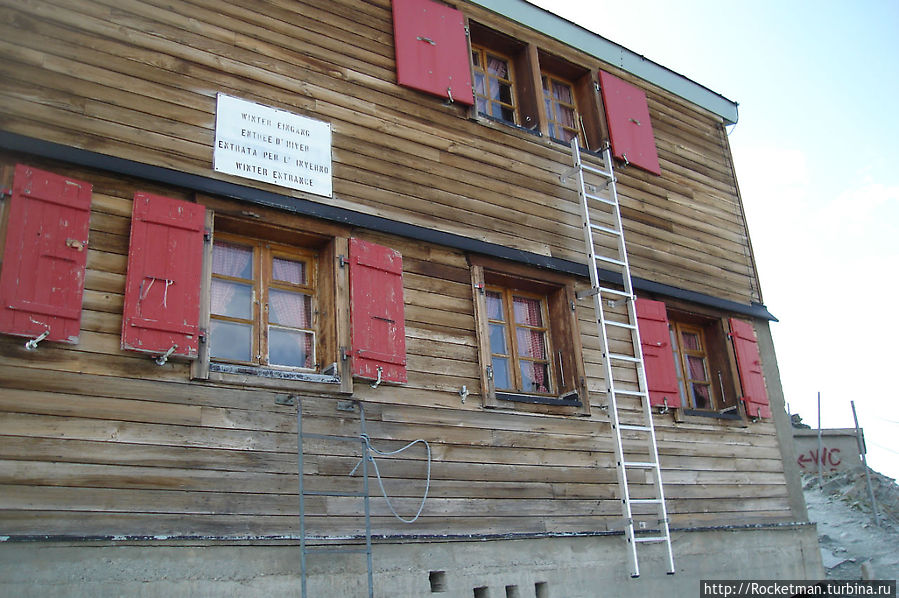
x=510, y=329
x=331, y=310
x=483, y=53
x=262, y=283
x=720, y=363
x=569, y=395
x=551, y=121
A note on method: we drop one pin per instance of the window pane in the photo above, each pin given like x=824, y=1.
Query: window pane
x=289, y=270
x=531, y=343
x=498, y=339
x=476, y=58
x=479, y=86
x=230, y=341
x=697, y=367
x=289, y=308
x=534, y=377
x=229, y=259
x=566, y=117
x=508, y=115
x=482, y=106
x=701, y=396
x=562, y=92
x=501, y=373
x=527, y=311
x=505, y=93
x=691, y=341
x=290, y=347
x=497, y=66
x=495, y=306
x=231, y=299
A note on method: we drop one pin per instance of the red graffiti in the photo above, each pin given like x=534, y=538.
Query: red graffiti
x=829, y=459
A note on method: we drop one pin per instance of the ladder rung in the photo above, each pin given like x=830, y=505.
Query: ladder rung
x=332, y=493
x=645, y=501
x=634, y=428
x=604, y=200
x=632, y=393
x=640, y=464
x=605, y=229
x=629, y=358
x=313, y=549
x=650, y=539
x=595, y=170
x=609, y=260
x=620, y=324
x=624, y=294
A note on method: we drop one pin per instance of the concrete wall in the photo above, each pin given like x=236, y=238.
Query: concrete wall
x=839, y=450
x=559, y=567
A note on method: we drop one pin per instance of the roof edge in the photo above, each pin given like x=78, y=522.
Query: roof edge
x=583, y=39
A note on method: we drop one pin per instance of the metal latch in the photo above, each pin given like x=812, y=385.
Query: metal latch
x=76, y=244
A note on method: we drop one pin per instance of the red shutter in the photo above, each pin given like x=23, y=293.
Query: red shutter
x=42, y=282
x=432, y=49
x=746, y=347
x=378, y=320
x=630, y=130
x=658, y=356
x=165, y=267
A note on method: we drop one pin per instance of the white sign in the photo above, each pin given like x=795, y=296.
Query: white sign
x=273, y=146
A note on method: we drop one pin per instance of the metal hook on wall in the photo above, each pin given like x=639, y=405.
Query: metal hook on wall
x=32, y=344
x=162, y=359
x=377, y=382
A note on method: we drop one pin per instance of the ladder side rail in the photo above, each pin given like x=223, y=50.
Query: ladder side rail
x=599, y=311
x=303, y=571
x=641, y=370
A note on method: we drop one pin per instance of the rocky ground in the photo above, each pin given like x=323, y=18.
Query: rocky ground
x=852, y=545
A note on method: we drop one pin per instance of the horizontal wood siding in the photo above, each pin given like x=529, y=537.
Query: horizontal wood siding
x=96, y=441
x=138, y=79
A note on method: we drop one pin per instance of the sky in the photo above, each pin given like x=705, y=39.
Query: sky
x=817, y=163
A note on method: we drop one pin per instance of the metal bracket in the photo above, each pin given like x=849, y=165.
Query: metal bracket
x=162, y=359
x=288, y=400
x=377, y=382
x=664, y=408
x=463, y=392
x=32, y=344
x=342, y=261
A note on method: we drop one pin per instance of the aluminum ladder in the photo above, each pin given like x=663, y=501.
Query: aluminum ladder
x=305, y=549
x=598, y=194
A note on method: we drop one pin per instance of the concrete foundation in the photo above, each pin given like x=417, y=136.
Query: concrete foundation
x=555, y=567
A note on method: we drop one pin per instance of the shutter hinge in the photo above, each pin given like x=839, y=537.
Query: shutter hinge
x=201, y=337
x=342, y=261
x=207, y=235
x=596, y=86
x=467, y=32
x=573, y=306
x=344, y=354
x=5, y=192
x=490, y=372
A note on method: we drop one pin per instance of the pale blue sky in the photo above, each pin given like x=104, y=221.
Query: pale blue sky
x=816, y=157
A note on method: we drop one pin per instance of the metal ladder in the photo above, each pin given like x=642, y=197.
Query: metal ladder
x=305, y=549
x=602, y=199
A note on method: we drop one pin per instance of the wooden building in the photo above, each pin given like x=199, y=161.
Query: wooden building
x=216, y=214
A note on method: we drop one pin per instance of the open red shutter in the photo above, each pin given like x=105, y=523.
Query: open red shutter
x=658, y=355
x=432, y=49
x=378, y=317
x=749, y=362
x=42, y=282
x=630, y=130
x=165, y=267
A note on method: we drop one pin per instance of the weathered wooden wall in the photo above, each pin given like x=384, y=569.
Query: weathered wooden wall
x=96, y=441
x=138, y=79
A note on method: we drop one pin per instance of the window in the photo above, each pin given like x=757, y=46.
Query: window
x=528, y=340
x=519, y=341
x=494, y=85
x=262, y=304
x=561, y=109
x=692, y=366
